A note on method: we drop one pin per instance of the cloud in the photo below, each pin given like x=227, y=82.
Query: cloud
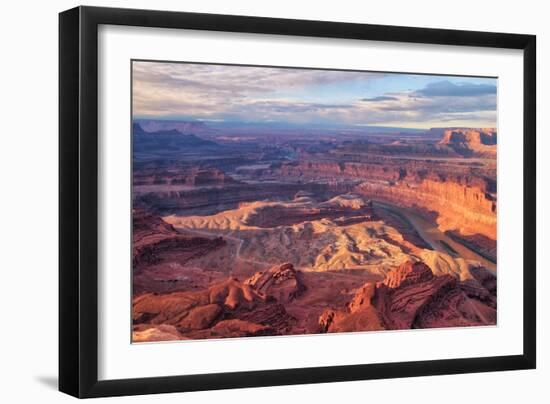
x=405, y=107
x=248, y=93
x=379, y=98
x=235, y=79
x=291, y=106
x=448, y=89
x=208, y=90
x=436, y=104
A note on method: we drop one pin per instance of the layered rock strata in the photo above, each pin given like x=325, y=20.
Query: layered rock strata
x=411, y=296
x=480, y=142
x=228, y=308
x=153, y=239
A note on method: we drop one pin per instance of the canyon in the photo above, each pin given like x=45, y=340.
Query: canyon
x=240, y=233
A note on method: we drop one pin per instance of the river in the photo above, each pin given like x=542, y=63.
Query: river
x=431, y=234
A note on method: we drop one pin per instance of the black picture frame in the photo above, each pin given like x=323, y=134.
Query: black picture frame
x=78, y=201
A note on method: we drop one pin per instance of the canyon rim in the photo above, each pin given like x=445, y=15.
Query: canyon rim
x=283, y=201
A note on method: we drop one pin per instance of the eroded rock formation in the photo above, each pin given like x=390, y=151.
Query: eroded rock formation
x=461, y=200
x=412, y=297
x=469, y=210
x=153, y=239
x=341, y=233
x=460, y=196
x=392, y=231
x=281, y=283
x=228, y=308
x=481, y=142
x=181, y=176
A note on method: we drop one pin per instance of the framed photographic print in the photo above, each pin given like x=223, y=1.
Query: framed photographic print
x=251, y=201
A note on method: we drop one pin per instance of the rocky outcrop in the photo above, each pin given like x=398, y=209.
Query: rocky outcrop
x=232, y=328
x=211, y=199
x=228, y=308
x=361, y=314
x=462, y=197
x=408, y=274
x=344, y=209
x=154, y=239
x=344, y=235
x=479, y=142
x=437, y=142
x=281, y=283
x=468, y=210
x=160, y=332
x=412, y=297
x=379, y=168
x=182, y=176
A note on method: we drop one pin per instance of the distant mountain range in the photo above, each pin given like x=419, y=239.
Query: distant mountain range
x=212, y=127
x=157, y=125
x=166, y=137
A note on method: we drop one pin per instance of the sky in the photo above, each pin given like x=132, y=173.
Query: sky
x=210, y=92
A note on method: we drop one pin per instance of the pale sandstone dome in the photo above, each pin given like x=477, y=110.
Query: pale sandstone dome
x=318, y=245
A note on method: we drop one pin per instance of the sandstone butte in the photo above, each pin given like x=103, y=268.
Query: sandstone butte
x=481, y=142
